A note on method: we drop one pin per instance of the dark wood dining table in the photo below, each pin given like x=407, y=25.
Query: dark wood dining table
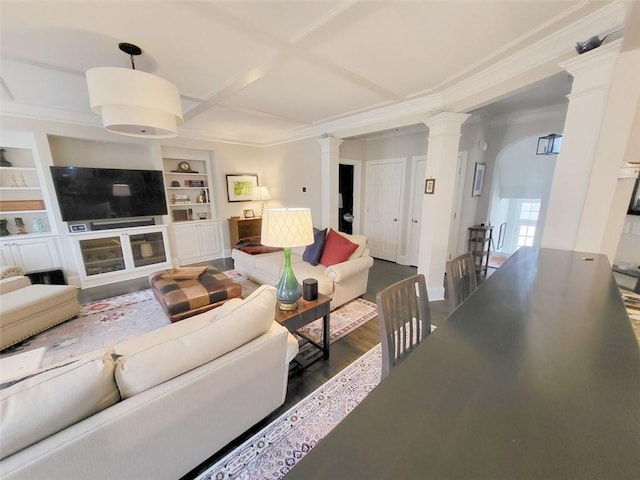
x=535, y=376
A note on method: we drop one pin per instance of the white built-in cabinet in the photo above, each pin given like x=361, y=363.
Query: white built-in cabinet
x=31, y=254
x=197, y=241
x=27, y=238
x=195, y=230
x=120, y=254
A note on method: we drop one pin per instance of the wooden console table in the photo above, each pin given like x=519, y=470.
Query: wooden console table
x=535, y=375
x=240, y=228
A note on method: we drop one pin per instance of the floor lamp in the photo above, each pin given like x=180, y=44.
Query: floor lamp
x=287, y=228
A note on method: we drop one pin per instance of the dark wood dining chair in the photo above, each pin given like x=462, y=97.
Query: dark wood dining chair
x=405, y=319
x=461, y=278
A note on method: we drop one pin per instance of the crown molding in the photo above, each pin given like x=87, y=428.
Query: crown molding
x=551, y=48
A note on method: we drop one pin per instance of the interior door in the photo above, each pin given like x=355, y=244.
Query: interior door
x=417, y=197
x=384, y=194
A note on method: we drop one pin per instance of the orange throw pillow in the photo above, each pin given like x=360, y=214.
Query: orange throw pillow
x=337, y=249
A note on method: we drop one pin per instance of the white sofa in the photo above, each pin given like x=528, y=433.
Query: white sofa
x=342, y=282
x=155, y=406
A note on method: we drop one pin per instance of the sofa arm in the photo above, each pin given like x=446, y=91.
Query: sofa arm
x=13, y=283
x=10, y=271
x=341, y=271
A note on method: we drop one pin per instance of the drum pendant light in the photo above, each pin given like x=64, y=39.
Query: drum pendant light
x=134, y=103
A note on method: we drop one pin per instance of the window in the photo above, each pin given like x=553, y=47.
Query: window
x=527, y=220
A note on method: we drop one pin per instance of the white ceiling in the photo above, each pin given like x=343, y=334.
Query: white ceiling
x=266, y=71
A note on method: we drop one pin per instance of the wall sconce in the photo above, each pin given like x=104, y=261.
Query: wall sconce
x=549, y=145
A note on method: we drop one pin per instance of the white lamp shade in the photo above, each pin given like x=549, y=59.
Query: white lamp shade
x=134, y=103
x=286, y=227
x=261, y=193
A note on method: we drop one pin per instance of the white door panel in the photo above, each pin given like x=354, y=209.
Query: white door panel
x=384, y=193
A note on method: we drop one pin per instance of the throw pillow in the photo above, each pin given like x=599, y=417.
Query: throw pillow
x=313, y=252
x=337, y=249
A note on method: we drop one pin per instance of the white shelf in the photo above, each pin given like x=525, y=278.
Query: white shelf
x=186, y=174
x=188, y=204
x=13, y=212
x=19, y=169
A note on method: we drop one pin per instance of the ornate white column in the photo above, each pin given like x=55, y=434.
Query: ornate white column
x=583, y=184
x=330, y=158
x=437, y=208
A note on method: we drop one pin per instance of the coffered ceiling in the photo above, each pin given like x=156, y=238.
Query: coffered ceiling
x=262, y=72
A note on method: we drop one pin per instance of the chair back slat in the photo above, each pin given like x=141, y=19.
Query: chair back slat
x=405, y=319
x=461, y=278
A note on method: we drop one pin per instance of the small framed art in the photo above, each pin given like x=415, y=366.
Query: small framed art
x=249, y=213
x=430, y=186
x=240, y=187
x=478, y=180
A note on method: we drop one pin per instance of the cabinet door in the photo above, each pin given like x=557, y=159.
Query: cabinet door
x=6, y=257
x=148, y=249
x=210, y=238
x=186, y=241
x=34, y=255
x=102, y=255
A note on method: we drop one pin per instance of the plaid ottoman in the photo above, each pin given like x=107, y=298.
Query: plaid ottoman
x=183, y=297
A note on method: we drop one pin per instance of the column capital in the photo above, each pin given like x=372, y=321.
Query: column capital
x=328, y=142
x=445, y=123
x=594, y=68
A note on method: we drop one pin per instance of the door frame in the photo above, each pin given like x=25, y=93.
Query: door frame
x=406, y=258
x=357, y=193
x=454, y=230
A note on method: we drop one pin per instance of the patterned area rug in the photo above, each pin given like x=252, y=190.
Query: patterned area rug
x=273, y=451
x=107, y=322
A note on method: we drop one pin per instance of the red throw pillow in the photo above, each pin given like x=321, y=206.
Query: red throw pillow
x=336, y=249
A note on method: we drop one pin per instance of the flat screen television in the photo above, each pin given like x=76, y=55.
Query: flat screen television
x=634, y=204
x=100, y=193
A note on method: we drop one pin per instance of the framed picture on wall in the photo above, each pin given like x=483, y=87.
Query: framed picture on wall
x=430, y=186
x=478, y=180
x=240, y=187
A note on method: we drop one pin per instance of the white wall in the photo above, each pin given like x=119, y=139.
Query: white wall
x=292, y=167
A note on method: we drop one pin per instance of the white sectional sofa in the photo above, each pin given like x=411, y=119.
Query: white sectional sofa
x=342, y=281
x=155, y=406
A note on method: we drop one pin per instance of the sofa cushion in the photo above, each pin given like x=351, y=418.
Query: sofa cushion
x=337, y=249
x=160, y=355
x=51, y=399
x=313, y=252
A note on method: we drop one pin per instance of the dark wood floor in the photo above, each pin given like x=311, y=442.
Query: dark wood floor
x=343, y=352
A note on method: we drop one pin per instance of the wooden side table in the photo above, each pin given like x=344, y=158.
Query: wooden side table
x=307, y=312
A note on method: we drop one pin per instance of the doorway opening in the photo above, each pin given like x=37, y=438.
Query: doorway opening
x=345, y=202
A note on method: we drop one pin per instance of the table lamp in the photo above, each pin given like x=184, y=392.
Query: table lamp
x=261, y=193
x=287, y=228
